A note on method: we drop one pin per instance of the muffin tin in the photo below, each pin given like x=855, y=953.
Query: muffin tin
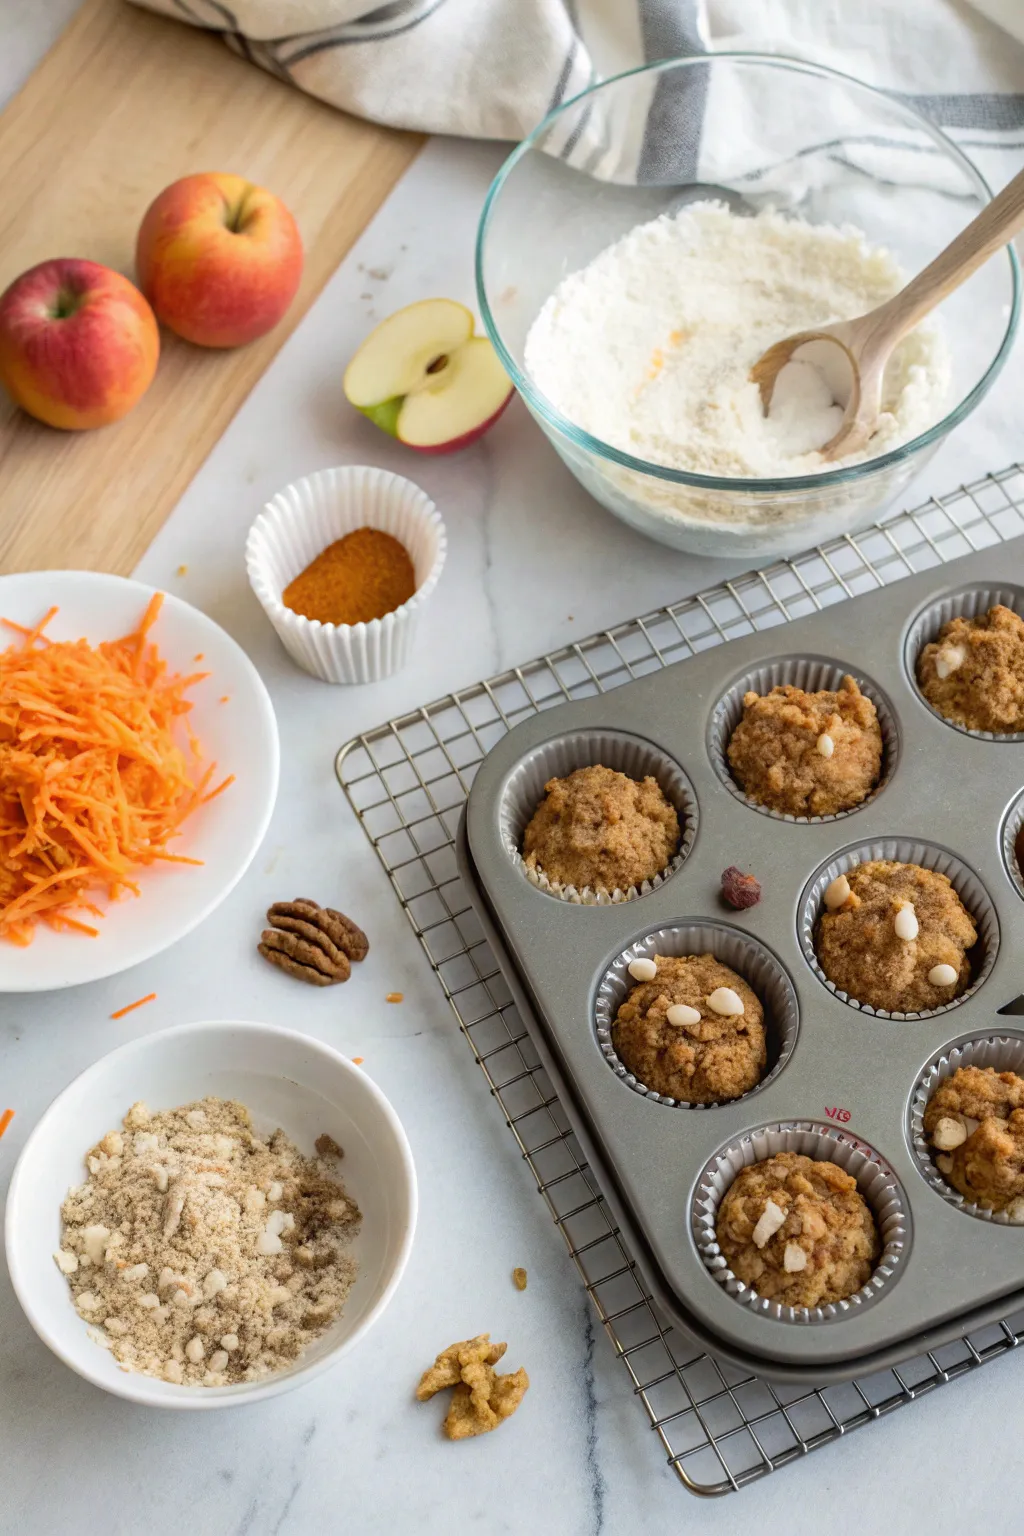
x=842, y=1080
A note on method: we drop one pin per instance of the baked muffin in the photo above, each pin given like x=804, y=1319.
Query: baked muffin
x=798, y=1231
x=682, y=1036
x=973, y=674
x=600, y=829
x=807, y=754
x=974, y=1122
x=895, y=936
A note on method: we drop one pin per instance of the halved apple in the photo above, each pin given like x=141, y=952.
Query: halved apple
x=424, y=377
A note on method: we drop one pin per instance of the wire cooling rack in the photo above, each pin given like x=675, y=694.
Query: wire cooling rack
x=407, y=781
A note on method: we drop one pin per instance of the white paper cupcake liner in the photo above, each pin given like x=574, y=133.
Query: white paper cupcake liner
x=876, y=1182
x=1003, y=1052
x=903, y=850
x=300, y=522
x=813, y=675
x=637, y=759
x=1012, y=823
x=966, y=603
x=744, y=955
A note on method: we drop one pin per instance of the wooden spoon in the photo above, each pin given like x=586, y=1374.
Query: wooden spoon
x=869, y=340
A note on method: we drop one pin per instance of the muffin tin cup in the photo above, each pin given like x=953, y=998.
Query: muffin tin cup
x=875, y=1181
x=1012, y=824
x=632, y=755
x=965, y=603
x=1003, y=1052
x=743, y=954
x=902, y=850
x=812, y=674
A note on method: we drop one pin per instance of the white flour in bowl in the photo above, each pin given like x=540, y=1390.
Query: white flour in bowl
x=649, y=348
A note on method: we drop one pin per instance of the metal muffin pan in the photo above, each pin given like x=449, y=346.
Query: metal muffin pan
x=950, y=791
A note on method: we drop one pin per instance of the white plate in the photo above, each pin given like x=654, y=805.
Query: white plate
x=285, y=1079
x=240, y=736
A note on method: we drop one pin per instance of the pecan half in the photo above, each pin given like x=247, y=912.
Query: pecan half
x=312, y=943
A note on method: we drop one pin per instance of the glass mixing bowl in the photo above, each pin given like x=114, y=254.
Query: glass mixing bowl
x=754, y=131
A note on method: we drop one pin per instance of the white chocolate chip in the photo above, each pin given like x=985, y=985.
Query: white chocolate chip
x=115, y=1326
x=794, y=1259
x=826, y=746
x=905, y=922
x=942, y=975
x=944, y=1163
x=948, y=1133
x=173, y=1373
x=219, y=1361
x=150, y=1300
x=66, y=1262
x=837, y=892
x=87, y=1302
x=725, y=1001
x=768, y=1223
x=279, y=1295
x=229, y=1341
x=642, y=970
x=269, y=1241
x=144, y=1142
x=215, y=1282
x=275, y=1192
x=181, y=1299
x=95, y=1240
x=1015, y=1210
x=195, y=1350
x=682, y=1016
x=196, y=1118
x=949, y=658
x=137, y=1272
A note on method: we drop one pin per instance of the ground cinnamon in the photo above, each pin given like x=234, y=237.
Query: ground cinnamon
x=358, y=578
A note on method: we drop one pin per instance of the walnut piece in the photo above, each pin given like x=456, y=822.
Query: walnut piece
x=481, y=1398
x=312, y=943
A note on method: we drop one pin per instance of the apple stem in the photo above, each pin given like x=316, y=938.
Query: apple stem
x=438, y=363
x=65, y=304
x=237, y=216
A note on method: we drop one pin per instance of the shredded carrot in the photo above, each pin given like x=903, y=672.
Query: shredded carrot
x=132, y=1006
x=357, y=1061
x=198, y=656
x=224, y=699
x=395, y=997
x=5, y=1120
x=94, y=783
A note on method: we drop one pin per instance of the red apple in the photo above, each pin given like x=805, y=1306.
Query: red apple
x=219, y=259
x=423, y=377
x=78, y=343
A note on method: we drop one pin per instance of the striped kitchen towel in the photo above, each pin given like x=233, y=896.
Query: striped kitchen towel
x=493, y=68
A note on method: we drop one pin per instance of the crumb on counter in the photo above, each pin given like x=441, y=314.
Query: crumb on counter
x=395, y=997
x=182, y=570
x=357, y=1061
x=5, y=1120
x=519, y=1278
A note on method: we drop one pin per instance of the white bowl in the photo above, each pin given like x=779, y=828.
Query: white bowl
x=300, y=522
x=240, y=736
x=285, y=1079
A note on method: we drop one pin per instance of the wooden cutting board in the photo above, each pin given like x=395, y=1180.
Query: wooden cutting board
x=124, y=103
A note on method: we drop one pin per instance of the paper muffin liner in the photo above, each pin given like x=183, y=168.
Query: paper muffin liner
x=812, y=674
x=876, y=1182
x=744, y=955
x=966, y=603
x=632, y=755
x=300, y=522
x=1003, y=1052
x=1012, y=824
x=902, y=850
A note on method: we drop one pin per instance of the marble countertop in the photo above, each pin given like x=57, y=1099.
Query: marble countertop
x=533, y=563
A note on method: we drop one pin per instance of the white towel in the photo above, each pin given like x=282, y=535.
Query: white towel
x=493, y=68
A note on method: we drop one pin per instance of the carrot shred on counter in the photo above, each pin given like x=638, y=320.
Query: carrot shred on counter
x=149, y=997
x=5, y=1120
x=93, y=781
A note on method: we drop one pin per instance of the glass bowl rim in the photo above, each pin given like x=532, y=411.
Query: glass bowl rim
x=596, y=446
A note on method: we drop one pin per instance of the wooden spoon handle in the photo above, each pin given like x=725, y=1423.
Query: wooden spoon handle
x=995, y=225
